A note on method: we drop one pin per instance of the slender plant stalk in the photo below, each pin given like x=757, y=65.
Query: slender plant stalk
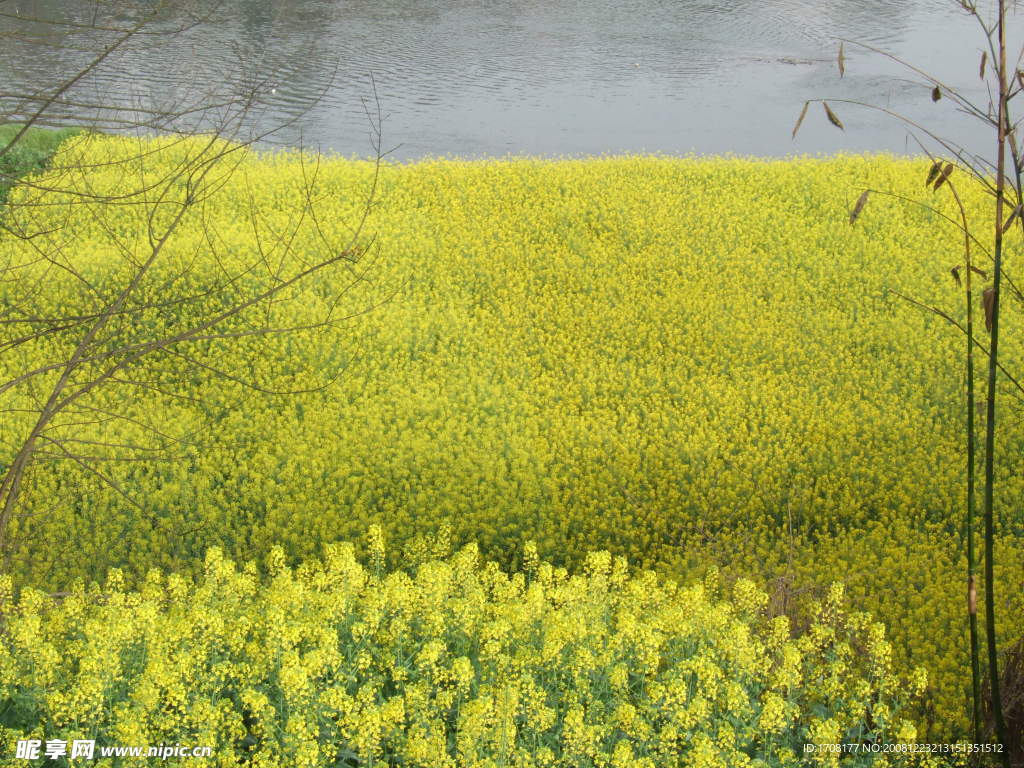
x=990, y=425
x=940, y=175
x=972, y=591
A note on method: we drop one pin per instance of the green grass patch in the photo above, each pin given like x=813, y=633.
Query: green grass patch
x=30, y=154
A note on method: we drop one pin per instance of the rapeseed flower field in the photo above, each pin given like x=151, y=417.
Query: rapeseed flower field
x=456, y=664
x=688, y=363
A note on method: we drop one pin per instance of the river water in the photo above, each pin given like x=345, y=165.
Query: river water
x=475, y=78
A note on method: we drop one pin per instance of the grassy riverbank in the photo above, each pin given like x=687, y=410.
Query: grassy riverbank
x=30, y=154
x=689, y=363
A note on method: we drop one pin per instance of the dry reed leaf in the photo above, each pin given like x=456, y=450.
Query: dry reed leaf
x=832, y=116
x=984, y=60
x=943, y=176
x=933, y=172
x=799, y=120
x=1020, y=77
x=936, y=93
x=861, y=201
x=955, y=271
x=1013, y=215
x=988, y=301
x=842, y=61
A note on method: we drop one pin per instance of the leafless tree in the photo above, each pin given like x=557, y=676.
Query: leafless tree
x=76, y=378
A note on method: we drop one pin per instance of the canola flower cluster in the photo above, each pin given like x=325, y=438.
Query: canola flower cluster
x=687, y=362
x=453, y=663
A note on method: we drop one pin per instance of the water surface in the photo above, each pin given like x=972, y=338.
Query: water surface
x=479, y=78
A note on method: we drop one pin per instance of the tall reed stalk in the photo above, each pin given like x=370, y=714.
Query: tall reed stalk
x=938, y=176
x=992, y=307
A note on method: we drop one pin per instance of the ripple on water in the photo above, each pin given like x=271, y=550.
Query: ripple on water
x=492, y=56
